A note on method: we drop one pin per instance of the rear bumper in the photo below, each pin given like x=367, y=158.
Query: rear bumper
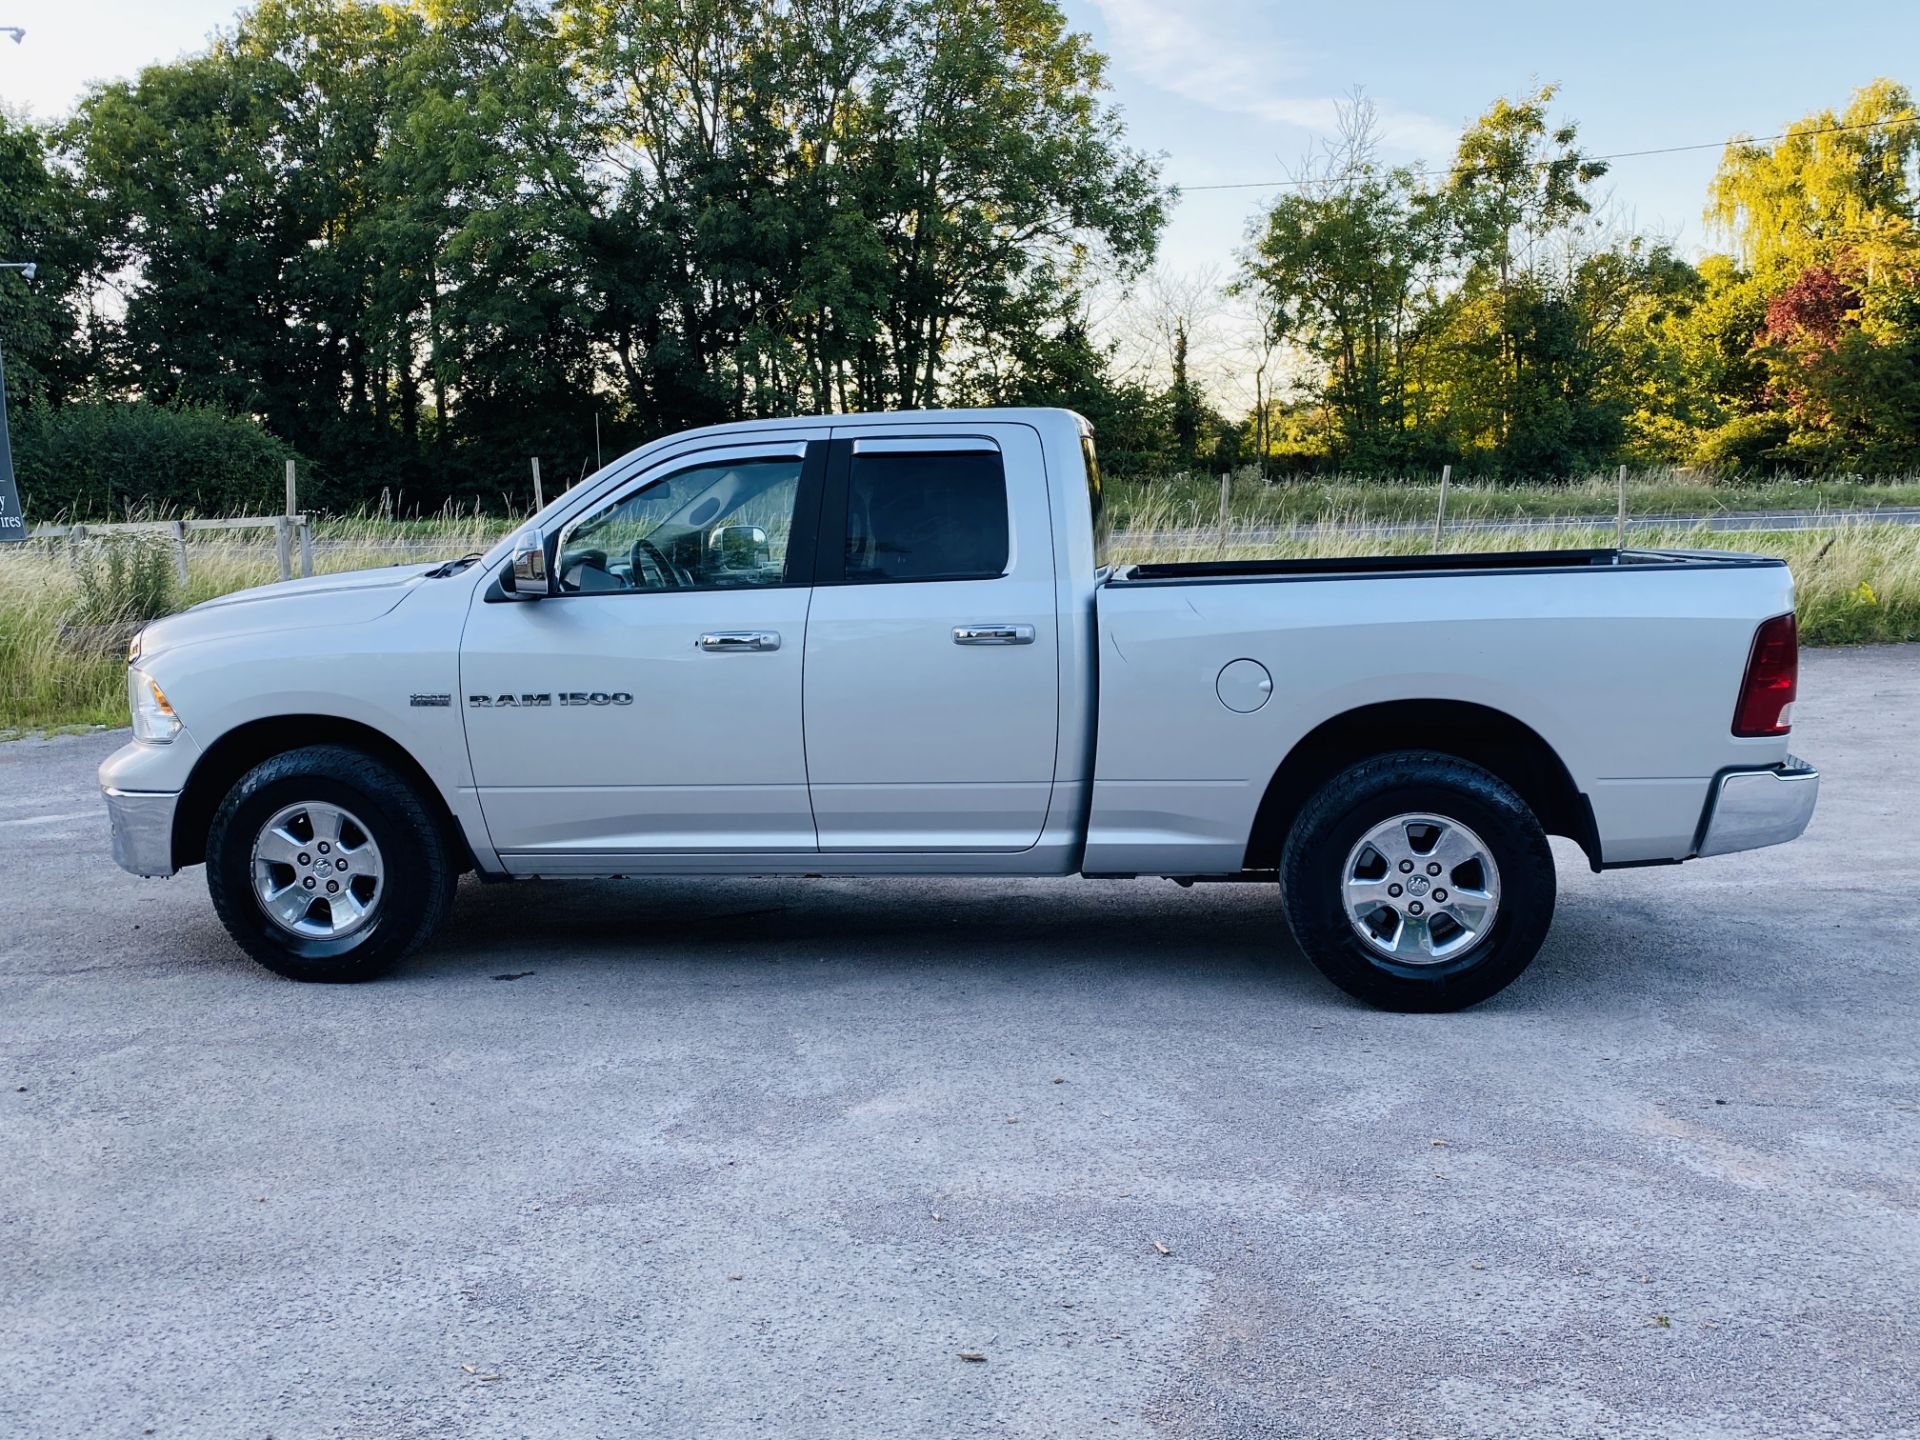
x=142, y=830
x=1748, y=809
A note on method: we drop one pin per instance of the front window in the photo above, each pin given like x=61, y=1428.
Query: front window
x=720, y=526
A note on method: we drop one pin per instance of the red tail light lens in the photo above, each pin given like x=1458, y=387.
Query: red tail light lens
x=1772, y=680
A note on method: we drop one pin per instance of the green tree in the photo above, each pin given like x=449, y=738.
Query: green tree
x=1835, y=183
x=47, y=325
x=828, y=200
x=423, y=240
x=1825, y=225
x=1515, y=194
x=1342, y=266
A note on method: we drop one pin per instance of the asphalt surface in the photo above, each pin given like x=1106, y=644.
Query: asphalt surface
x=681, y=1176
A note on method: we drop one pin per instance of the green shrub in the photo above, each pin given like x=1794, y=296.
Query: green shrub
x=1746, y=442
x=125, y=581
x=100, y=459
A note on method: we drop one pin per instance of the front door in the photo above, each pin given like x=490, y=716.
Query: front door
x=933, y=691
x=652, y=706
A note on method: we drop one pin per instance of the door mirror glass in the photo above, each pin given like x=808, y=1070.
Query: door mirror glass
x=737, y=548
x=526, y=574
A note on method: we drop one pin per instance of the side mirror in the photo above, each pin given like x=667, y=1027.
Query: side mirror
x=525, y=577
x=738, y=547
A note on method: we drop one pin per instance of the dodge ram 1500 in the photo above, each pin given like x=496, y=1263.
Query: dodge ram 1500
x=893, y=644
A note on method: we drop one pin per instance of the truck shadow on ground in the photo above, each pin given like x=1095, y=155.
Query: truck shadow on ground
x=860, y=920
x=1233, y=936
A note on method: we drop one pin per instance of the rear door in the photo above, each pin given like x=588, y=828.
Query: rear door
x=932, y=694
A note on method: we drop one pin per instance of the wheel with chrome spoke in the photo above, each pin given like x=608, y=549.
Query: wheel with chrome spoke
x=1421, y=888
x=1418, y=882
x=325, y=864
x=317, y=871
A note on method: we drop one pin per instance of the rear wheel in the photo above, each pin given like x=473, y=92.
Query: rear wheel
x=1418, y=882
x=325, y=865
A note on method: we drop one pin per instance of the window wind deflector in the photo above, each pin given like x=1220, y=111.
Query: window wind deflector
x=926, y=445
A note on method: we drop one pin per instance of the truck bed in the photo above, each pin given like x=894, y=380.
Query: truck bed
x=1515, y=562
x=1625, y=664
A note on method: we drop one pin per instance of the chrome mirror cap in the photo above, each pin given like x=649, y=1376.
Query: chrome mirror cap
x=737, y=547
x=525, y=577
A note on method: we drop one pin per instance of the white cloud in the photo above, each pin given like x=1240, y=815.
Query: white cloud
x=1172, y=45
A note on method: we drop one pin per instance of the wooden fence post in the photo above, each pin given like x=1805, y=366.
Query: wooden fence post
x=293, y=521
x=1620, y=517
x=1440, y=515
x=1226, y=503
x=539, y=501
x=283, y=545
x=180, y=552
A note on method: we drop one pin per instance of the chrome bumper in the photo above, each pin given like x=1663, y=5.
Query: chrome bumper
x=1752, y=808
x=142, y=830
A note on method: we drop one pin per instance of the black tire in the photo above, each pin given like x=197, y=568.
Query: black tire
x=417, y=876
x=1346, y=810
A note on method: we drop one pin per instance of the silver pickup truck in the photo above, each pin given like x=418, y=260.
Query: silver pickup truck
x=893, y=644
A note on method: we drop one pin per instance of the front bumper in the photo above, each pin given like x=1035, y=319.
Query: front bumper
x=142, y=830
x=142, y=784
x=1751, y=808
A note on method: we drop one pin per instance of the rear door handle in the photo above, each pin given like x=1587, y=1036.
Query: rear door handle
x=993, y=634
x=729, y=642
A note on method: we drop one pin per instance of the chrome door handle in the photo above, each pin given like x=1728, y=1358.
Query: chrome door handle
x=993, y=634
x=729, y=642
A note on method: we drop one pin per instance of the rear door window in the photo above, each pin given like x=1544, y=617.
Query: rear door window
x=926, y=516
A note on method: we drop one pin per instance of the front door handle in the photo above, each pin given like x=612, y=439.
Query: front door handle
x=993, y=634
x=743, y=642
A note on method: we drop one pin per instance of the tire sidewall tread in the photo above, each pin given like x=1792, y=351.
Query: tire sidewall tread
x=1361, y=796
x=418, y=879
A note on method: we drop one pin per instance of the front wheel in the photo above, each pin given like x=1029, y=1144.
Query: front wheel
x=325, y=865
x=1418, y=882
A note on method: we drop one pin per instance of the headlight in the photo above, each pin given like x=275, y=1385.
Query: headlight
x=153, y=718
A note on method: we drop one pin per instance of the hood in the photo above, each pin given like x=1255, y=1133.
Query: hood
x=351, y=598
x=394, y=578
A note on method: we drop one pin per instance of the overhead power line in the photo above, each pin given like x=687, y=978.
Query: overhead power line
x=1616, y=155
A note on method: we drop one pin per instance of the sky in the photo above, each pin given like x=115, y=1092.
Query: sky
x=1240, y=90
x=1233, y=91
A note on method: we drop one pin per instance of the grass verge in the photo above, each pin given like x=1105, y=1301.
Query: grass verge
x=1859, y=582
x=1192, y=502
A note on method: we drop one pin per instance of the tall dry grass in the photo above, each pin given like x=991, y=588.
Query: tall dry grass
x=1187, y=502
x=1858, y=582
x=64, y=613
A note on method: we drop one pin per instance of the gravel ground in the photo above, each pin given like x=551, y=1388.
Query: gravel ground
x=738, y=1158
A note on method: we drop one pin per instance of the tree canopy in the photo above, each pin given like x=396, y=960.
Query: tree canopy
x=418, y=241
x=1489, y=315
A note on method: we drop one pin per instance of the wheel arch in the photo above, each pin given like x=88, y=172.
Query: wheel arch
x=245, y=746
x=1478, y=734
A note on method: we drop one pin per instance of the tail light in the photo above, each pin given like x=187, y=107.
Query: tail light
x=1772, y=680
